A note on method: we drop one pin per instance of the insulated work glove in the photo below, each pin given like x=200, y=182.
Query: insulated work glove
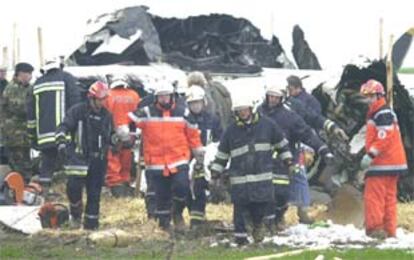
x=365, y=162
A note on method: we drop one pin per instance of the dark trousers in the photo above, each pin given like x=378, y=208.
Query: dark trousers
x=197, y=200
x=93, y=182
x=169, y=190
x=150, y=203
x=48, y=165
x=277, y=209
x=250, y=210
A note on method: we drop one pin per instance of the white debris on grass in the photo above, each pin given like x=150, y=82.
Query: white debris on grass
x=338, y=236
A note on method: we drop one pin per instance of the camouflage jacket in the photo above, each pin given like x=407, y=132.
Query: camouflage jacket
x=13, y=123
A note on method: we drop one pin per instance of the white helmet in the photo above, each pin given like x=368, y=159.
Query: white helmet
x=119, y=81
x=52, y=63
x=241, y=103
x=195, y=93
x=164, y=88
x=274, y=90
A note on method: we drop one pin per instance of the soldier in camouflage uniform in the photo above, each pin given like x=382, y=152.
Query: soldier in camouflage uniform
x=13, y=122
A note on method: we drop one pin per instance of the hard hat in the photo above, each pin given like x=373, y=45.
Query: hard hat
x=196, y=78
x=241, y=103
x=164, y=88
x=195, y=93
x=274, y=90
x=98, y=90
x=52, y=63
x=372, y=87
x=119, y=81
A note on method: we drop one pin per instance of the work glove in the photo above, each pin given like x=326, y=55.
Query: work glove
x=294, y=169
x=365, y=162
x=61, y=153
x=340, y=133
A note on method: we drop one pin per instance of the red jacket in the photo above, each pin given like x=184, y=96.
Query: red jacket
x=168, y=137
x=120, y=102
x=383, y=141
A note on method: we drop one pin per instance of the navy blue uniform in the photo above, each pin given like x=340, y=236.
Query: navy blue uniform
x=211, y=131
x=309, y=101
x=296, y=132
x=250, y=148
x=49, y=99
x=86, y=158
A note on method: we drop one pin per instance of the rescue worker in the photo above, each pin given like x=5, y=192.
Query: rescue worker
x=121, y=100
x=13, y=121
x=150, y=201
x=217, y=96
x=211, y=131
x=169, y=140
x=291, y=186
x=307, y=106
x=384, y=162
x=249, y=143
x=89, y=125
x=50, y=97
x=297, y=91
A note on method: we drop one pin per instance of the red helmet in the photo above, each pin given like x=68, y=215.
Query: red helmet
x=372, y=87
x=98, y=90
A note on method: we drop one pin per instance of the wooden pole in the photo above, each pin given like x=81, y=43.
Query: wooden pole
x=389, y=67
x=17, y=50
x=14, y=44
x=40, y=46
x=381, y=40
x=5, y=55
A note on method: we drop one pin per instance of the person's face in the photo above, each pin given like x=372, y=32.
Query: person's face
x=97, y=104
x=244, y=113
x=293, y=91
x=196, y=106
x=24, y=78
x=370, y=98
x=3, y=74
x=273, y=101
x=164, y=99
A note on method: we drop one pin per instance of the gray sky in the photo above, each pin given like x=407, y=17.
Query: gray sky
x=337, y=31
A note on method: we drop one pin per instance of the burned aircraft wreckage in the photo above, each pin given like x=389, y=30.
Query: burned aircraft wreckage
x=226, y=45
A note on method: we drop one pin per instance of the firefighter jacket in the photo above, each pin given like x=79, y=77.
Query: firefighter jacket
x=168, y=136
x=48, y=100
x=383, y=141
x=309, y=101
x=90, y=137
x=296, y=131
x=250, y=148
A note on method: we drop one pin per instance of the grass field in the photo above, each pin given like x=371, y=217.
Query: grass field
x=129, y=215
x=18, y=248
